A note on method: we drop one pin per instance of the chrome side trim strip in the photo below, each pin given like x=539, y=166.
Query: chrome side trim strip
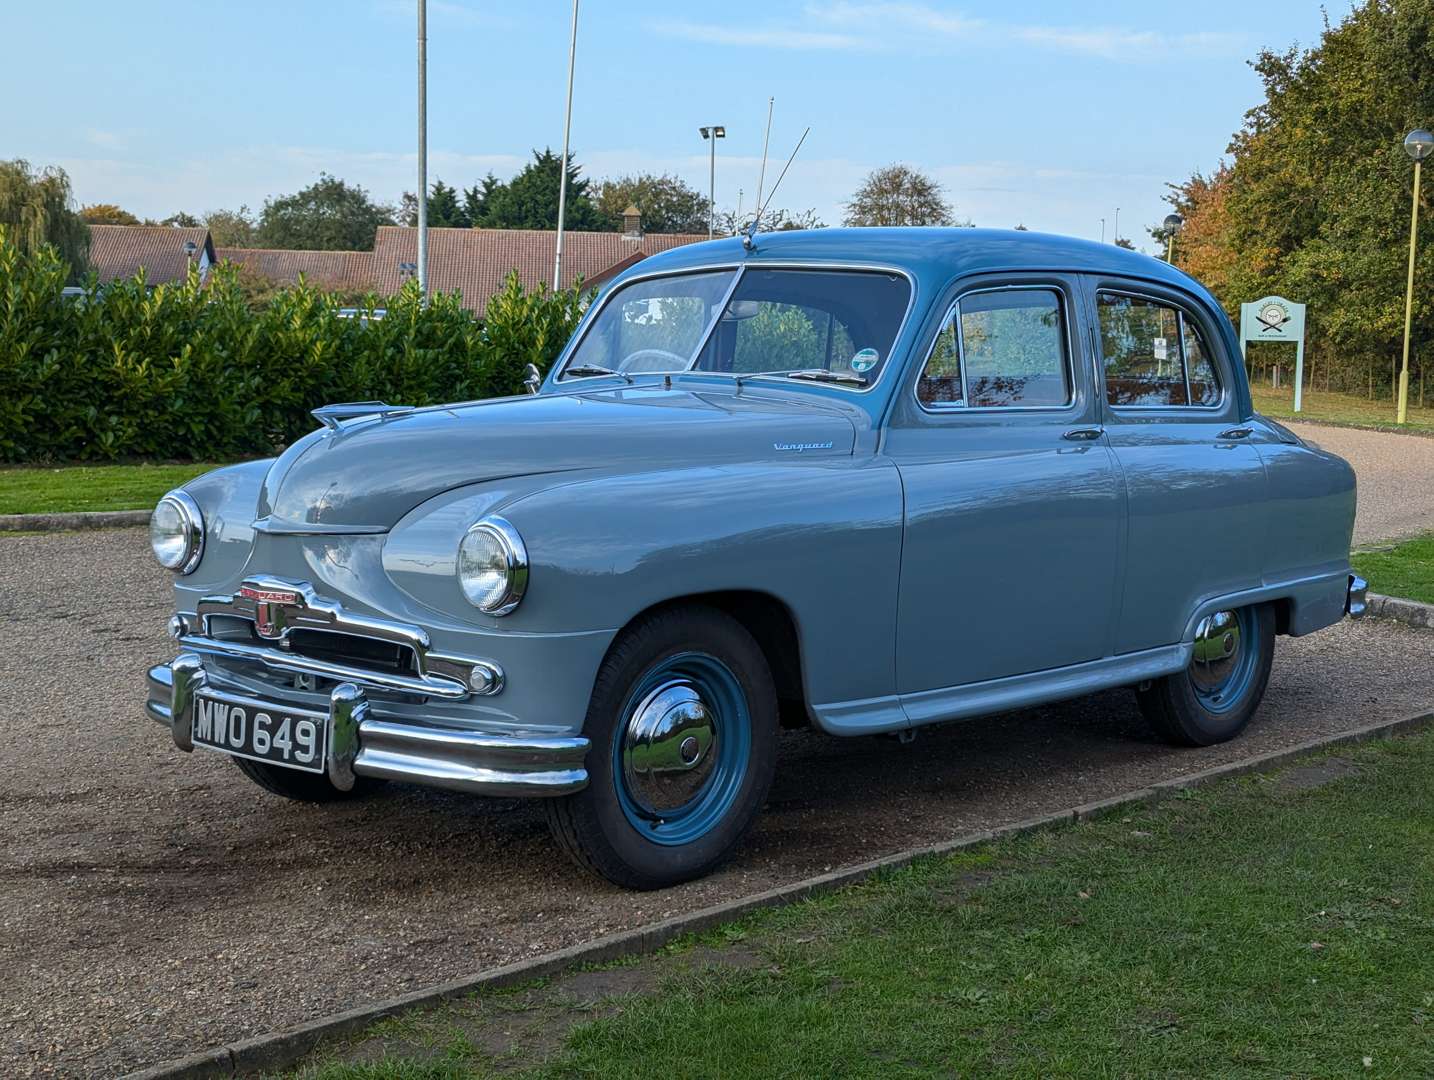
x=430, y=685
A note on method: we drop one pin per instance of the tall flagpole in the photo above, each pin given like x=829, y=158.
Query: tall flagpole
x=423, y=149
x=567, y=134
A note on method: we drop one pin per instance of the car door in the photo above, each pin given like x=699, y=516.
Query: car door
x=1014, y=509
x=1194, y=479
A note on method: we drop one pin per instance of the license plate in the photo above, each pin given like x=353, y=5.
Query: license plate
x=246, y=728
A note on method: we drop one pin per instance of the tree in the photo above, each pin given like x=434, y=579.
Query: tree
x=772, y=221
x=899, y=195
x=327, y=215
x=530, y=199
x=1313, y=201
x=475, y=199
x=107, y=214
x=37, y=208
x=231, y=228
x=444, y=209
x=667, y=204
x=180, y=220
x=1124, y=242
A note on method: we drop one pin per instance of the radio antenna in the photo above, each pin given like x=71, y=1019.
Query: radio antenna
x=748, y=240
x=766, y=140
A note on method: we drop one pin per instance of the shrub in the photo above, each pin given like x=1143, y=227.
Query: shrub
x=193, y=370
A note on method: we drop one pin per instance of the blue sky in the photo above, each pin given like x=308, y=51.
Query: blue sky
x=1027, y=112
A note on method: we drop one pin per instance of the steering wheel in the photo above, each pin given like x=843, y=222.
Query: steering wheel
x=645, y=360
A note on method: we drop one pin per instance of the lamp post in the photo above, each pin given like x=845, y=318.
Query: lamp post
x=567, y=133
x=422, y=265
x=711, y=135
x=1117, y=225
x=1418, y=144
x=1173, y=224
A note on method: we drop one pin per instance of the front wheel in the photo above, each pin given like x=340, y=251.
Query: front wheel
x=1213, y=699
x=683, y=726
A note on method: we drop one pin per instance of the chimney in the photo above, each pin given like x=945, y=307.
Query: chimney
x=632, y=223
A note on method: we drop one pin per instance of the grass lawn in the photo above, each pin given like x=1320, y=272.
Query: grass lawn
x=1405, y=570
x=1275, y=925
x=1350, y=410
x=29, y=490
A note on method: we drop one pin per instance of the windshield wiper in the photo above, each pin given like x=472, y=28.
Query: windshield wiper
x=595, y=369
x=811, y=374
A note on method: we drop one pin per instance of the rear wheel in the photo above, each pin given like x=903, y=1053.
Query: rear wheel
x=1213, y=699
x=302, y=786
x=683, y=724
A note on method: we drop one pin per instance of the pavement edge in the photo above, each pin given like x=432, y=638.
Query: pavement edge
x=284, y=1048
x=88, y=519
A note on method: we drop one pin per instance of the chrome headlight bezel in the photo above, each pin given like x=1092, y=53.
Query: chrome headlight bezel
x=190, y=531
x=512, y=556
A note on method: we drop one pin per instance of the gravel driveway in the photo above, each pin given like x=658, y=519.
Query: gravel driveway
x=155, y=903
x=1396, y=497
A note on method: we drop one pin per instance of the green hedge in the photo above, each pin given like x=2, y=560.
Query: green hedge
x=191, y=371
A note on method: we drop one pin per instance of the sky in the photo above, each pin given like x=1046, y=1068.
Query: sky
x=1043, y=113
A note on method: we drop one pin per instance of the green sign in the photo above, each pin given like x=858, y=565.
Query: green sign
x=1276, y=319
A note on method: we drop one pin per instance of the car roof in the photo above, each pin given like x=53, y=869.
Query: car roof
x=927, y=253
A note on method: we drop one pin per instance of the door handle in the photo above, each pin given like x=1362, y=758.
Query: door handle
x=1084, y=434
x=1237, y=433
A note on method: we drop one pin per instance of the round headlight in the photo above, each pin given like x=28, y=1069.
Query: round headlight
x=493, y=566
x=176, y=532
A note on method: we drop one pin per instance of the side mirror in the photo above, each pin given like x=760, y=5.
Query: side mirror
x=532, y=378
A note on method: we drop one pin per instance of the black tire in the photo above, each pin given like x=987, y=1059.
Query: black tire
x=302, y=786
x=592, y=825
x=1182, y=714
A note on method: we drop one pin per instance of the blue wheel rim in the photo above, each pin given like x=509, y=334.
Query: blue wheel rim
x=1222, y=680
x=731, y=748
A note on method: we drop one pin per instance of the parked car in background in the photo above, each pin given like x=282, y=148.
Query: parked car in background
x=862, y=480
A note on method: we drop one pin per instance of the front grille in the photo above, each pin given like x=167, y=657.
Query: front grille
x=353, y=650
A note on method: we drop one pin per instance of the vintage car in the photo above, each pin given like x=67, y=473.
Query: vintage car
x=862, y=480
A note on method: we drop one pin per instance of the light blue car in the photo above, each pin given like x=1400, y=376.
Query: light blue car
x=863, y=480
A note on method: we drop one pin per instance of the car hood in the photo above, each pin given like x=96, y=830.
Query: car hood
x=367, y=473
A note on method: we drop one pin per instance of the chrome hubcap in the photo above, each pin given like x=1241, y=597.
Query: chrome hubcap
x=669, y=748
x=1217, y=651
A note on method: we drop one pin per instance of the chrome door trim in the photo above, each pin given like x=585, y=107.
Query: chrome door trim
x=960, y=410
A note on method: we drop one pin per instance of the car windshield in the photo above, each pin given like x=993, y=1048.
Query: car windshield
x=833, y=326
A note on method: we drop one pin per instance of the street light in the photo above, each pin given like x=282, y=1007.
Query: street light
x=711, y=135
x=1418, y=144
x=1173, y=224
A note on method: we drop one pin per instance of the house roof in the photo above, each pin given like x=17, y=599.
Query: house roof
x=118, y=251
x=476, y=261
x=345, y=271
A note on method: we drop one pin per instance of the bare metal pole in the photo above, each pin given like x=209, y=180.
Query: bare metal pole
x=567, y=134
x=767, y=138
x=423, y=149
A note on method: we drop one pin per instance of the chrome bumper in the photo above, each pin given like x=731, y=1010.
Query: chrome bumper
x=1356, y=600
x=361, y=744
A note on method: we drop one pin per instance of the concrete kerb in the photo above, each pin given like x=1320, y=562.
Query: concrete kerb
x=1408, y=612
x=283, y=1049
x=94, y=519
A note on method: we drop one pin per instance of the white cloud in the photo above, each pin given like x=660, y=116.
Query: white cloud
x=766, y=37
x=1128, y=44
x=890, y=25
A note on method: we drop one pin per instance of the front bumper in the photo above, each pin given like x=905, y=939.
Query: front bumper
x=362, y=743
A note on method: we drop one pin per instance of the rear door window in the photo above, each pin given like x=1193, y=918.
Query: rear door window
x=1155, y=356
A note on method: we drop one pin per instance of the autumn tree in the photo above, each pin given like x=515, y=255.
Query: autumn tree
x=231, y=228
x=107, y=214
x=899, y=195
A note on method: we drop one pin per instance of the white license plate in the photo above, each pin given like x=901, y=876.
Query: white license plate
x=275, y=734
